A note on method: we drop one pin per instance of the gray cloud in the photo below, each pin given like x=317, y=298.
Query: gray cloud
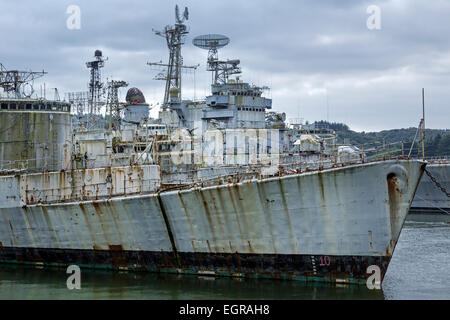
x=304, y=50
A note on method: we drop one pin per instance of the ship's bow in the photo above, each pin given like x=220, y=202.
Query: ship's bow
x=403, y=178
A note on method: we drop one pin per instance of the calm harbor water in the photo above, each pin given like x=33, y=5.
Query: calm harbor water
x=419, y=270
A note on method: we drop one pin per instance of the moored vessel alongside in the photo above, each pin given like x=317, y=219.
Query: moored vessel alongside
x=432, y=199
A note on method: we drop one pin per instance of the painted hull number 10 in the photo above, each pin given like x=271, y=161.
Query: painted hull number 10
x=324, y=261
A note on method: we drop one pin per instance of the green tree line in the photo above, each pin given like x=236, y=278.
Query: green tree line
x=437, y=142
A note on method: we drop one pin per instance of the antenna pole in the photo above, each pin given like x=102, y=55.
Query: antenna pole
x=423, y=123
x=174, y=36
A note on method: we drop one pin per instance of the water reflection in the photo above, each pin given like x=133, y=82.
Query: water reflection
x=27, y=283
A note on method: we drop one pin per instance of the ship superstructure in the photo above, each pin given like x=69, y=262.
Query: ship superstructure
x=35, y=132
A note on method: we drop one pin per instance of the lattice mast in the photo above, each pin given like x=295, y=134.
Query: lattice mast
x=16, y=82
x=112, y=103
x=96, y=88
x=174, y=36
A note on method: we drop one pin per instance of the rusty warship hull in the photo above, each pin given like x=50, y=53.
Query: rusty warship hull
x=327, y=225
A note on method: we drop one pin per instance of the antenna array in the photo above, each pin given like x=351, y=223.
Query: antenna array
x=221, y=69
x=17, y=82
x=171, y=73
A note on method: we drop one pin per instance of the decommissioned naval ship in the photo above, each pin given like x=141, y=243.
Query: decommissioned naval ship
x=219, y=187
x=433, y=194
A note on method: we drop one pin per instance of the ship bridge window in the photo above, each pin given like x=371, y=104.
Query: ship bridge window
x=35, y=106
x=49, y=106
x=12, y=106
x=28, y=107
x=21, y=106
x=4, y=106
x=42, y=106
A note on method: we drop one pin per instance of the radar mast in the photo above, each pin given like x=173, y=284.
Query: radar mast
x=221, y=69
x=174, y=36
x=17, y=82
x=96, y=88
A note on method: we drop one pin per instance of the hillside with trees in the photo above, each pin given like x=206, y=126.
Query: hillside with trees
x=437, y=142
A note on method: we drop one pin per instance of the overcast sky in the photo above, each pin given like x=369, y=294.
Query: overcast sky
x=319, y=57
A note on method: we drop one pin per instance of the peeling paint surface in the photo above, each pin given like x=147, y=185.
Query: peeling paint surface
x=78, y=184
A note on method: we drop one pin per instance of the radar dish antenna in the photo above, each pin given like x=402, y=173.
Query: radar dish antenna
x=221, y=69
x=211, y=41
